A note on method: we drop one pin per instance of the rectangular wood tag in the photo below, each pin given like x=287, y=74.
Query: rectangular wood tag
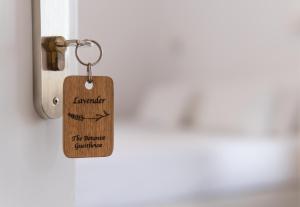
x=88, y=116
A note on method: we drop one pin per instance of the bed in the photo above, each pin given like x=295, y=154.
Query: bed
x=155, y=166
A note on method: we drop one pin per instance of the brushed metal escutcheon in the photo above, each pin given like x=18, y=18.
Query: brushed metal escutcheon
x=55, y=18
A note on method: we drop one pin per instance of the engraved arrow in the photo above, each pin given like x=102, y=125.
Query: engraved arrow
x=79, y=117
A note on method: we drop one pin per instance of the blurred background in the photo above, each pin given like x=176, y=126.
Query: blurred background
x=207, y=103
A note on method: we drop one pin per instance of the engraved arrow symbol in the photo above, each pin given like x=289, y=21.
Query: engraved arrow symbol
x=79, y=117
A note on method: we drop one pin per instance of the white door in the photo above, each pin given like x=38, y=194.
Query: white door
x=34, y=172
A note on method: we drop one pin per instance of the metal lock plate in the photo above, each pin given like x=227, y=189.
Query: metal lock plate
x=51, y=18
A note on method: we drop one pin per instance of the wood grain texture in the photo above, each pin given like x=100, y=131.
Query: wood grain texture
x=88, y=117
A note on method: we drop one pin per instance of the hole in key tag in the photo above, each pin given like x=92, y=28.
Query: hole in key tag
x=88, y=116
x=89, y=85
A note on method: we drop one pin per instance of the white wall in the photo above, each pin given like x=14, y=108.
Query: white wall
x=146, y=42
x=256, y=40
x=34, y=171
x=127, y=33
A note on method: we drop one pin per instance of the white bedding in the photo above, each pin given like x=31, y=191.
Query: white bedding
x=157, y=166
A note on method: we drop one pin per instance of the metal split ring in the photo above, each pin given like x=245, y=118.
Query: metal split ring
x=78, y=44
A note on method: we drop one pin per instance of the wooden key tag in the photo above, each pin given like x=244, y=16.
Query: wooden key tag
x=88, y=116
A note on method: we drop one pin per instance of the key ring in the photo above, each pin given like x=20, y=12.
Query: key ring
x=78, y=44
